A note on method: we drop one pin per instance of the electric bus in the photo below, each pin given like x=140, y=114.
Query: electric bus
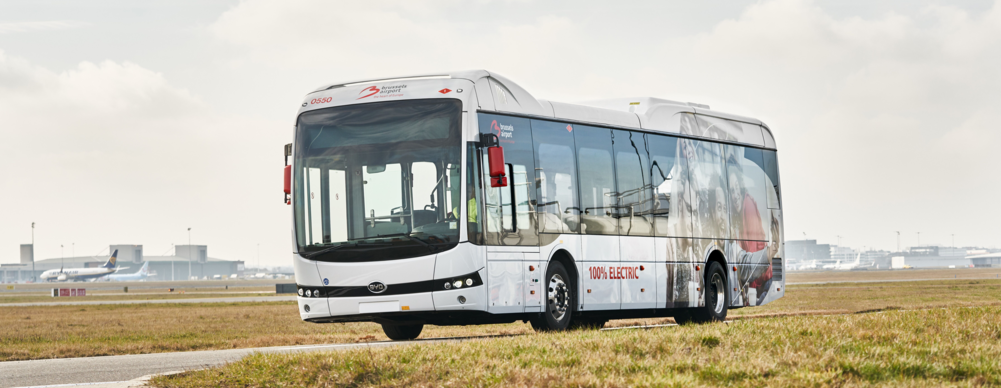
x=459, y=198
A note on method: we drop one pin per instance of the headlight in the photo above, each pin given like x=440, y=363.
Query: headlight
x=300, y=292
x=448, y=285
x=316, y=293
x=308, y=293
x=458, y=284
x=469, y=282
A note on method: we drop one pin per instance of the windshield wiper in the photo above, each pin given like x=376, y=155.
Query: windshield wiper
x=326, y=250
x=430, y=247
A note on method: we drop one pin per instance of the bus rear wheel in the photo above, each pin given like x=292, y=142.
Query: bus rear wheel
x=558, y=306
x=716, y=296
x=402, y=332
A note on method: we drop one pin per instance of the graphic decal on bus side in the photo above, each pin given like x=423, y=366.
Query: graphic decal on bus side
x=625, y=273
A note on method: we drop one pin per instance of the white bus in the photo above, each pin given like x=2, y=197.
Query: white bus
x=459, y=198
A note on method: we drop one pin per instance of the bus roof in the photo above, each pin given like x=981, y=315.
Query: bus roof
x=497, y=93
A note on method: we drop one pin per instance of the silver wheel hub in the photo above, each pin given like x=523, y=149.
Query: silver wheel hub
x=717, y=289
x=558, y=296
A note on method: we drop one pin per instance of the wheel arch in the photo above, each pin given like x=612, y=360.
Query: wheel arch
x=564, y=257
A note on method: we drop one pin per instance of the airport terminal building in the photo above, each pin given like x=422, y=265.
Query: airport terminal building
x=161, y=268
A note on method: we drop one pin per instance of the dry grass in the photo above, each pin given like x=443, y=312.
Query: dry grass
x=77, y=331
x=147, y=294
x=952, y=347
x=894, y=275
x=99, y=330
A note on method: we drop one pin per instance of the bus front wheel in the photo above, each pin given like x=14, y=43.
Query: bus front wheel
x=558, y=306
x=402, y=332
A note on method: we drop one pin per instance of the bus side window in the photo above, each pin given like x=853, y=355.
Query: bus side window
x=710, y=201
x=509, y=212
x=669, y=178
x=772, y=172
x=474, y=193
x=556, y=177
x=633, y=189
x=597, y=180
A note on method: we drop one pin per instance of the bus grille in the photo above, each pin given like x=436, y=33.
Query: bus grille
x=777, y=269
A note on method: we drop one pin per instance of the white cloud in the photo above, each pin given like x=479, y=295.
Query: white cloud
x=12, y=27
x=112, y=152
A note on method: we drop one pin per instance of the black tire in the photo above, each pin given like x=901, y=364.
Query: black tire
x=717, y=296
x=560, y=300
x=402, y=332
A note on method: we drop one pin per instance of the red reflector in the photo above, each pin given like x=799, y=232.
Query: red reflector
x=642, y=269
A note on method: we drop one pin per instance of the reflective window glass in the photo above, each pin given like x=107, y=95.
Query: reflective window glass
x=709, y=205
x=672, y=207
x=556, y=177
x=772, y=173
x=634, y=202
x=509, y=212
x=597, y=179
x=748, y=205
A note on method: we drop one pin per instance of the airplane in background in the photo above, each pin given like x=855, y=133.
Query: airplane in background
x=74, y=274
x=850, y=266
x=131, y=277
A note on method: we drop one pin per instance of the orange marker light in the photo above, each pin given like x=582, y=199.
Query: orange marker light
x=405, y=308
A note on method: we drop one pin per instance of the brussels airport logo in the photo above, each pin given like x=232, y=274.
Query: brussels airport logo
x=371, y=90
x=383, y=92
x=503, y=131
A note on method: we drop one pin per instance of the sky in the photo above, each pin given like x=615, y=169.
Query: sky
x=129, y=122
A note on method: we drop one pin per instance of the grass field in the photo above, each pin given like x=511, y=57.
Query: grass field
x=76, y=331
x=895, y=275
x=952, y=347
x=145, y=294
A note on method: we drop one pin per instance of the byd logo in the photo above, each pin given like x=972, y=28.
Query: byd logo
x=376, y=287
x=372, y=91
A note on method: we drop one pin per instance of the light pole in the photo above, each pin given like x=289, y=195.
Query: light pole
x=258, y=255
x=189, y=253
x=953, y=240
x=172, y=264
x=919, y=239
x=898, y=241
x=62, y=256
x=32, y=252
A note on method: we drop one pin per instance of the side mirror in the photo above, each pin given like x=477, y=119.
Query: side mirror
x=288, y=185
x=495, y=157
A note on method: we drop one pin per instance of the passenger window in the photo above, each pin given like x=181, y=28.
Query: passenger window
x=669, y=177
x=556, y=177
x=597, y=180
x=748, y=205
x=633, y=190
x=773, y=188
x=709, y=202
x=509, y=212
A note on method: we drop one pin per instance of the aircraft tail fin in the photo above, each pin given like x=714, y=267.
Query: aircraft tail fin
x=111, y=260
x=145, y=269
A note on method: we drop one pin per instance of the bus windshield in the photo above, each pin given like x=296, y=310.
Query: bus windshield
x=378, y=181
